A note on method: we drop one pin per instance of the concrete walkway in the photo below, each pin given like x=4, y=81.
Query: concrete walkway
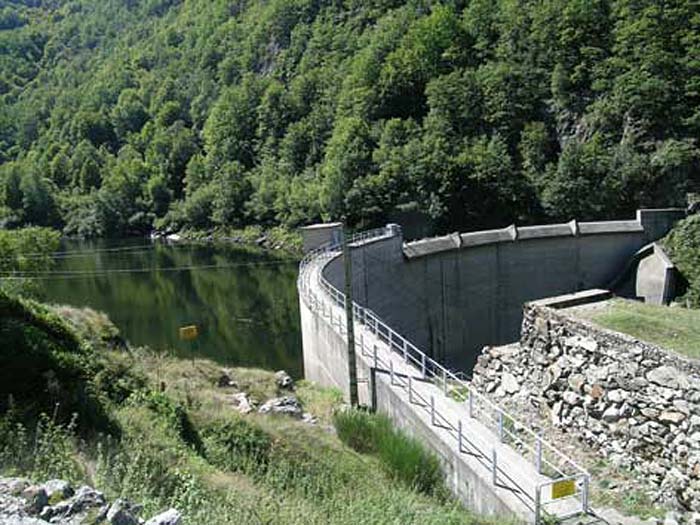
x=516, y=478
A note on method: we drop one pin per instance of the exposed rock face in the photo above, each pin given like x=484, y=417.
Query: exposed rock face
x=24, y=503
x=635, y=403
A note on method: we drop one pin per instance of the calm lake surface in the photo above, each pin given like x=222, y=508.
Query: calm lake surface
x=248, y=313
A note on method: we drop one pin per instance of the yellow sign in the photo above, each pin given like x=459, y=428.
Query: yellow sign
x=189, y=333
x=562, y=489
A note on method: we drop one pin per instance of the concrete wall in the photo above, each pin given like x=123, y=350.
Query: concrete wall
x=453, y=295
x=325, y=362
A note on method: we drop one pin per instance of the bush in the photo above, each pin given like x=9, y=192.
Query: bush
x=403, y=457
x=47, y=452
x=237, y=445
x=683, y=245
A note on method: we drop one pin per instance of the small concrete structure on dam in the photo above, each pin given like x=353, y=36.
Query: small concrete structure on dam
x=424, y=310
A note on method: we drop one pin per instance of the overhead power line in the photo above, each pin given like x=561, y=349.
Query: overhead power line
x=74, y=274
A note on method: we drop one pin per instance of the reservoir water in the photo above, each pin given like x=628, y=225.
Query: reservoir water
x=244, y=301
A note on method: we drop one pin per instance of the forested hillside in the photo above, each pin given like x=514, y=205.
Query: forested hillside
x=118, y=115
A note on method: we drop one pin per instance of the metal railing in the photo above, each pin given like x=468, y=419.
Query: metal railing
x=555, y=468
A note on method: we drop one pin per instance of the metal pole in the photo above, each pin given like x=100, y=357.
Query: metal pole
x=444, y=380
x=538, y=455
x=494, y=465
x=538, y=489
x=422, y=364
x=584, y=493
x=410, y=389
x=432, y=410
x=471, y=404
x=391, y=370
x=405, y=351
x=352, y=362
x=500, y=425
x=362, y=344
x=459, y=436
x=376, y=360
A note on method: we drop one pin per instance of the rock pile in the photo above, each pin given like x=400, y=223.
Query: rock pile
x=635, y=403
x=25, y=503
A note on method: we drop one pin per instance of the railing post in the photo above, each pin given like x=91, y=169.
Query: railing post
x=422, y=364
x=362, y=344
x=494, y=467
x=500, y=425
x=459, y=436
x=470, y=404
x=432, y=410
x=584, y=493
x=391, y=370
x=538, y=490
x=376, y=360
x=538, y=455
x=410, y=389
x=444, y=380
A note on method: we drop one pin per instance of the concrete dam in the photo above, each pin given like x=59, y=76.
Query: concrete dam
x=453, y=295
x=422, y=313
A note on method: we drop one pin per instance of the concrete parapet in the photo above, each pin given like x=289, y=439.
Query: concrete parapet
x=488, y=237
x=548, y=230
x=591, y=228
x=432, y=245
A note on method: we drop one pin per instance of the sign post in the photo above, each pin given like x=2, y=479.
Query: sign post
x=190, y=333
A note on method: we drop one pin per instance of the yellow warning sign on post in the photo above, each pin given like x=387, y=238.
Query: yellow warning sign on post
x=189, y=333
x=564, y=488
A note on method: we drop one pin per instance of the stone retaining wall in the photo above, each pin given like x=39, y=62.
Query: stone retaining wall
x=635, y=403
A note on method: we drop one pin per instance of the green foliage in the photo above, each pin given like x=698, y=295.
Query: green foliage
x=46, y=452
x=473, y=114
x=174, y=415
x=683, y=245
x=235, y=445
x=404, y=458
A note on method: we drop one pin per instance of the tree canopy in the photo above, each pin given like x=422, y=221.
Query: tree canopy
x=117, y=116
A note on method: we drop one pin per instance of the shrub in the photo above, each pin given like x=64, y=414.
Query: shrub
x=683, y=245
x=237, y=445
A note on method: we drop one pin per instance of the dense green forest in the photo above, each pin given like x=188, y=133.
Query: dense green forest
x=120, y=115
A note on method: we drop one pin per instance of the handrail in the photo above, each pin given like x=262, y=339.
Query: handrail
x=548, y=460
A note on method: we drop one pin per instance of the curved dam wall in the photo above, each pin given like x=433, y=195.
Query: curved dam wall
x=453, y=295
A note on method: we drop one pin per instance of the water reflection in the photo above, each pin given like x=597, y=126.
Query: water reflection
x=249, y=313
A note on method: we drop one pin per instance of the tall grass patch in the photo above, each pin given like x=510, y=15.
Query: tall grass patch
x=403, y=457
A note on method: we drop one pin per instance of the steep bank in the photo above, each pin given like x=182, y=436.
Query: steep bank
x=242, y=445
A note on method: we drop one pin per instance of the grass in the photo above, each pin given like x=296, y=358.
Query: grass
x=179, y=443
x=404, y=458
x=674, y=328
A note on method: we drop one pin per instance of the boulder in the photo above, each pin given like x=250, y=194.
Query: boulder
x=241, y=402
x=509, y=384
x=58, y=489
x=669, y=377
x=284, y=380
x=169, y=517
x=85, y=498
x=225, y=380
x=121, y=513
x=671, y=417
x=288, y=405
x=611, y=414
x=36, y=499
